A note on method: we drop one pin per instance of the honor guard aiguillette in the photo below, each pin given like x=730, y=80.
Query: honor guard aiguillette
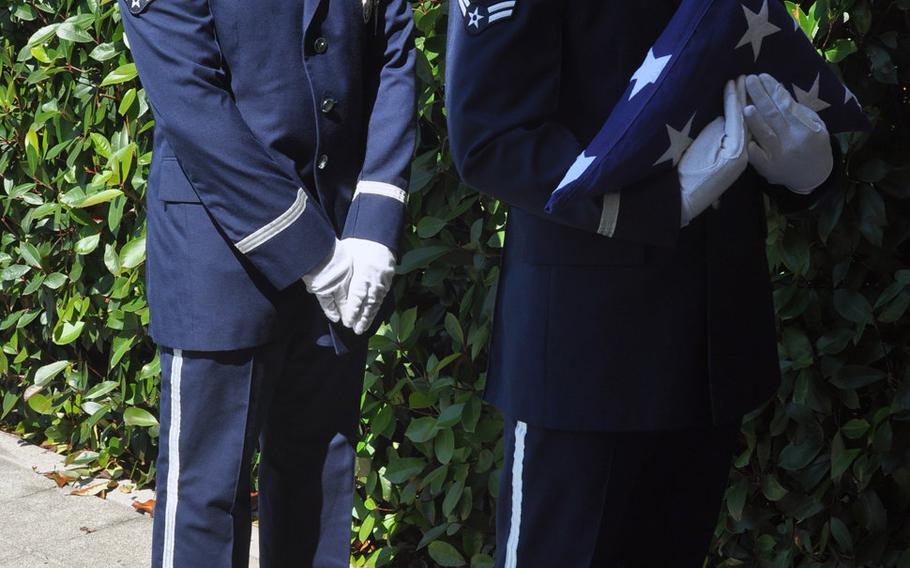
x=283, y=137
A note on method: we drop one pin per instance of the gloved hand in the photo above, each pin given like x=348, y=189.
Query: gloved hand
x=717, y=157
x=374, y=268
x=792, y=146
x=330, y=281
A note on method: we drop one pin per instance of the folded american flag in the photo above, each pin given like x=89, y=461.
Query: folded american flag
x=678, y=90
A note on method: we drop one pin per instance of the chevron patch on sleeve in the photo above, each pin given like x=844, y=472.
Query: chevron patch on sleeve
x=478, y=16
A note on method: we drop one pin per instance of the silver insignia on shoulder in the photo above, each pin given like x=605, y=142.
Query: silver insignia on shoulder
x=478, y=16
x=137, y=6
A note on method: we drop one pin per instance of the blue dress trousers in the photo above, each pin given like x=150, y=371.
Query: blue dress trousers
x=298, y=400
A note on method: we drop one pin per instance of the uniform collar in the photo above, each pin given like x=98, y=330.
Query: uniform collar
x=309, y=10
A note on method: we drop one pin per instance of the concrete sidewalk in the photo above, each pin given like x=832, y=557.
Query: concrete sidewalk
x=43, y=525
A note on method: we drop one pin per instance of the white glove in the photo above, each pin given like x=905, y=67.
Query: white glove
x=374, y=268
x=717, y=157
x=791, y=145
x=330, y=281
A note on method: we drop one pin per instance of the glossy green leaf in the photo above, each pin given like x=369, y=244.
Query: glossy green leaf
x=100, y=197
x=40, y=403
x=103, y=52
x=421, y=429
x=46, y=373
x=68, y=332
x=133, y=253
x=445, y=554
x=119, y=75
x=70, y=32
x=88, y=244
x=101, y=389
x=134, y=416
x=401, y=469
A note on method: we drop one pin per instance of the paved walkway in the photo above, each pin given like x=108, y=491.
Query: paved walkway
x=43, y=525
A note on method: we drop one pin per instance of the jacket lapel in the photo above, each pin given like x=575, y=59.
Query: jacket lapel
x=309, y=10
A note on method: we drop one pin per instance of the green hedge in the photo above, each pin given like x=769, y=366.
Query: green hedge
x=822, y=479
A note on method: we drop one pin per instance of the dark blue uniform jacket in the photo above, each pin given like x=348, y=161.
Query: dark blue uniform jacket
x=279, y=125
x=656, y=327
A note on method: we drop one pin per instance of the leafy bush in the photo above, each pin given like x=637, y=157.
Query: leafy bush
x=823, y=479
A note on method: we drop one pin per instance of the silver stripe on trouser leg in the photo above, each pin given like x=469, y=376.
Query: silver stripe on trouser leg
x=521, y=430
x=173, y=456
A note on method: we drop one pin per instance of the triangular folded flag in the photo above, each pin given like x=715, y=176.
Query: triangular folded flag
x=679, y=89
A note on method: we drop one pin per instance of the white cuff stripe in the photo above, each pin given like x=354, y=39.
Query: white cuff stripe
x=609, y=215
x=173, y=461
x=521, y=429
x=381, y=188
x=280, y=223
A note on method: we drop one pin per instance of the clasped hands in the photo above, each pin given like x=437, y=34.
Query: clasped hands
x=785, y=141
x=352, y=282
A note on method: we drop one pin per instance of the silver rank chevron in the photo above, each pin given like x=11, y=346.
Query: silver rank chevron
x=478, y=16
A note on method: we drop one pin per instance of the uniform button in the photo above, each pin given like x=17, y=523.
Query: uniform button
x=321, y=45
x=327, y=105
x=323, y=162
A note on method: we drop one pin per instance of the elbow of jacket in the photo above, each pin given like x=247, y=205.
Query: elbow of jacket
x=466, y=160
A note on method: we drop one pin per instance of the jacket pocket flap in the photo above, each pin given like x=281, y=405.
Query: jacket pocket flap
x=171, y=184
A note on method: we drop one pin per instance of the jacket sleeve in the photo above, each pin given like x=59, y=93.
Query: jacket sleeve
x=505, y=133
x=264, y=212
x=377, y=211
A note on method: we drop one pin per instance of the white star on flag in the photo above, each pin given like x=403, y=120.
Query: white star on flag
x=135, y=4
x=649, y=71
x=848, y=94
x=759, y=29
x=475, y=17
x=810, y=98
x=679, y=142
x=579, y=167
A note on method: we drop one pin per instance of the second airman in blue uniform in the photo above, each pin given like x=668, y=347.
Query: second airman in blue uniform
x=631, y=335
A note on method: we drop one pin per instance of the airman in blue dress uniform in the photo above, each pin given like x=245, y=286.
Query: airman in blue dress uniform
x=630, y=336
x=283, y=137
